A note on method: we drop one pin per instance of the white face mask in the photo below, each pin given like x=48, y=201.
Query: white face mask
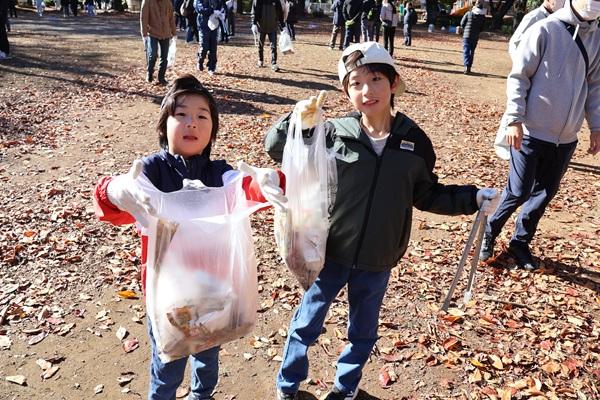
x=590, y=11
x=558, y=4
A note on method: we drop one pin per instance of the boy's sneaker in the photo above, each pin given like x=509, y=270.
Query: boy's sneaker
x=274, y=67
x=522, y=255
x=260, y=64
x=286, y=396
x=487, y=247
x=211, y=72
x=337, y=394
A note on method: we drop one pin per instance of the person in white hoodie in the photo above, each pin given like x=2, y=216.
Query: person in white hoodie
x=554, y=83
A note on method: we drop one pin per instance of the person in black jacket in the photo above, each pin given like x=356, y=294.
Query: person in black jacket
x=410, y=19
x=352, y=11
x=472, y=24
x=376, y=28
x=366, y=22
x=4, y=45
x=294, y=12
x=338, y=23
x=267, y=16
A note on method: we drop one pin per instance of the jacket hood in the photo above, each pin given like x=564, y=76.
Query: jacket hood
x=566, y=14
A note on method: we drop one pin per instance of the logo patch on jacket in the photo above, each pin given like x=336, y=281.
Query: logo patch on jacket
x=406, y=145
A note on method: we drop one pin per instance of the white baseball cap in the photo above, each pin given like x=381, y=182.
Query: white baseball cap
x=372, y=53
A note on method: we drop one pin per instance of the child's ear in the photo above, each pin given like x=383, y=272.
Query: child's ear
x=395, y=83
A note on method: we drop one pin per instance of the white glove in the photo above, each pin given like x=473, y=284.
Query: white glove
x=487, y=200
x=125, y=194
x=268, y=182
x=254, y=29
x=309, y=110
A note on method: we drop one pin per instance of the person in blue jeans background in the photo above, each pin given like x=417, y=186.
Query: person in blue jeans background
x=384, y=167
x=472, y=25
x=209, y=14
x=352, y=11
x=157, y=26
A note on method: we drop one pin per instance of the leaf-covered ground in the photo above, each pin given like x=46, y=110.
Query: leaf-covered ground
x=74, y=107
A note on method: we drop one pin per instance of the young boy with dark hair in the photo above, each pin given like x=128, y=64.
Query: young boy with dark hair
x=384, y=167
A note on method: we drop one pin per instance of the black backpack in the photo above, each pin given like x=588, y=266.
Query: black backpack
x=187, y=8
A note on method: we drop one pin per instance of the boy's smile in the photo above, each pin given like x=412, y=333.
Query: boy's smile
x=370, y=92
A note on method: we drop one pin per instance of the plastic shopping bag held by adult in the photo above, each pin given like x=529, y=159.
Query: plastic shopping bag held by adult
x=201, y=279
x=285, y=42
x=311, y=182
x=172, y=52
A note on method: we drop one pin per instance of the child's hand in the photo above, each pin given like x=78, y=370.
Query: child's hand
x=125, y=194
x=309, y=110
x=487, y=200
x=268, y=182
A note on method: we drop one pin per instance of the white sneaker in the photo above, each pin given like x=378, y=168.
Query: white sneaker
x=211, y=73
x=260, y=64
x=275, y=68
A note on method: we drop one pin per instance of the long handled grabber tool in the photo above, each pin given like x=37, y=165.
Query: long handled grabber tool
x=477, y=230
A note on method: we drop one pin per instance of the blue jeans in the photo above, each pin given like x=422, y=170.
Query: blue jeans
x=468, y=52
x=208, y=46
x=165, y=378
x=352, y=34
x=367, y=29
x=365, y=294
x=534, y=177
x=151, y=46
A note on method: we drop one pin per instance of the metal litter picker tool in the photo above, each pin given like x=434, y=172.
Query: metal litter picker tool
x=477, y=230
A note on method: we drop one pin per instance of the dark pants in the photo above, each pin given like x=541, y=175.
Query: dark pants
x=534, y=177
x=224, y=34
x=376, y=30
x=231, y=22
x=74, y=7
x=181, y=22
x=468, y=52
x=192, y=29
x=12, y=10
x=261, y=42
x=334, y=33
x=4, y=45
x=152, y=45
x=208, y=46
x=352, y=34
x=64, y=7
x=291, y=30
x=388, y=38
x=407, y=35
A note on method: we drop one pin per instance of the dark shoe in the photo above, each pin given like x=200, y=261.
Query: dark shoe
x=467, y=71
x=336, y=394
x=200, y=66
x=487, y=247
x=163, y=82
x=149, y=77
x=520, y=252
x=286, y=396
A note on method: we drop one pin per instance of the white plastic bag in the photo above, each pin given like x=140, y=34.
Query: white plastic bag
x=285, y=42
x=500, y=143
x=201, y=284
x=172, y=52
x=311, y=183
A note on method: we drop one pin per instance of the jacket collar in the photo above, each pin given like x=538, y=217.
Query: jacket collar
x=349, y=130
x=187, y=168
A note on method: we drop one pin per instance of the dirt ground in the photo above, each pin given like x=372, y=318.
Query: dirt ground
x=74, y=107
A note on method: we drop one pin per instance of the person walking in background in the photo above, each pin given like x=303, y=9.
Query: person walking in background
x=231, y=11
x=12, y=8
x=367, y=18
x=74, y=7
x=554, y=84
x=39, y=5
x=157, y=26
x=337, y=8
x=4, y=45
x=410, y=19
x=209, y=15
x=376, y=29
x=472, y=25
x=267, y=17
x=352, y=11
x=293, y=15
x=389, y=19
x=89, y=7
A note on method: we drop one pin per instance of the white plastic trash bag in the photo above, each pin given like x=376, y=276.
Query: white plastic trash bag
x=201, y=284
x=285, y=42
x=213, y=21
x=311, y=183
x=172, y=51
x=500, y=143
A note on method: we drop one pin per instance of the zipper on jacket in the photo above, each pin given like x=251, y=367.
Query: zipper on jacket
x=363, y=229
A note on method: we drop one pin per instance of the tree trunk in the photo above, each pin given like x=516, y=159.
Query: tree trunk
x=499, y=13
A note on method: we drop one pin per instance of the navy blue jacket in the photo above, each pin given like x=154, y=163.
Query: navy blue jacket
x=338, y=12
x=205, y=8
x=167, y=172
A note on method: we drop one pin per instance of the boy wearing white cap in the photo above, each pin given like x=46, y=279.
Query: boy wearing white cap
x=385, y=167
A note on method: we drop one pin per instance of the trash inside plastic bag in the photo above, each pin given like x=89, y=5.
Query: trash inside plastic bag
x=172, y=51
x=201, y=288
x=311, y=183
x=285, y=42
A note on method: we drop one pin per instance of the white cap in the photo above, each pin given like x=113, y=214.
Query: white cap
x=372, y=53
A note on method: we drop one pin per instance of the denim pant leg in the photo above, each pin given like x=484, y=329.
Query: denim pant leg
x=165, y=378
x=551, y=169
x=151, y=47
x=205, y=373
x=212, y=50
x=192, y=30
x=261, y=44
x=273, y=40
x=204, y=38
x=164, y=53
x=522, y=171
x=307, y=323
x=365, y=295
